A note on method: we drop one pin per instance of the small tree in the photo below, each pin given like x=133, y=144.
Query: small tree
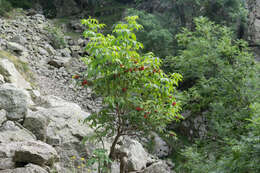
x=137, y=94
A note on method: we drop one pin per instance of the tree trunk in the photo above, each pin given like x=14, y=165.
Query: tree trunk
x=113, y=146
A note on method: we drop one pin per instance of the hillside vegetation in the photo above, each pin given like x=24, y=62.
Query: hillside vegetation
x=205, y=41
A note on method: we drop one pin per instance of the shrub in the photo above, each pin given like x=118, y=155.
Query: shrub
x=138, y=96
x=155, y=36
x=220, y=80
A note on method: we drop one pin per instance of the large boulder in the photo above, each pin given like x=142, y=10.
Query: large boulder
x=157, y=167
x=63, y=131
x=11, y=131
x=14, y=101
x=15, y=47
x=29, y=168
x=9, y=71
x=13, y=154
x=35, y=152
x=136, y=156
x=161, y=148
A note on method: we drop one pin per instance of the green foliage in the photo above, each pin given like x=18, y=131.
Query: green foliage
x=216, y=70
x=220, y=80
x=137, y=94
x=155, y=36
x=57, y=37
x=25, y=4
x=5, y=6
x=100, y=157
x=235, y=155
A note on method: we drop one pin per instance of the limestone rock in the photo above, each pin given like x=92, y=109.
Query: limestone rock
x=2, y=116
x=158, y=167
x=43, y=51
x=29, y=168
x=6, y=163
x=10, y=131
x=14, y=101
x=136, y=156
x=15, y=47
x=13, y=75
x=35, y=152
x=37, y=124
x=59, y=62
x=64, y=131
x=161, y=148
x=2, y=80
x=19, y=39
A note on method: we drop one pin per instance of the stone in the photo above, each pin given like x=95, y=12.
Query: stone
x=9, y=71
x=136, y=156
x=6, y=163
x=11, y=131
x=158, y=167
x=15, y=47
x=36, y=152
x=37, y=124
x=14, y=101
x=160, y=148
x=29, y=168
x=19, y=39
x=2, y=116
x=64, y=131
x=2, y=80
x=65, y=52
x=50, y=49
x=58, y=62
x=43, y=51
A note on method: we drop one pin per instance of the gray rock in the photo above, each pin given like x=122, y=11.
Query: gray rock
x=161, y=148
x=19, y=39
x=29, y=168
x=254, y=21
x=2, y=80
x=15, y=47
x=65, y=52
x=12, y=75
x=37, y=124
x=50, y=49
x=136, y=156
x=64, y=131
x=14, y=101
x=2, y=116
x=59, y=62
x=10, y=131
x=35, y=152
x=6, y=163
x=43, y=51
x=158, y=167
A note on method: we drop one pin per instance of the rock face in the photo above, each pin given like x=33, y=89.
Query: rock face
x=160, y=148
x=13, y=76
x=254, y=26
x=11, y=131
x=14, y=101
x=35, y=152
x=137, y=157
x=254, y=21
x=29, y=168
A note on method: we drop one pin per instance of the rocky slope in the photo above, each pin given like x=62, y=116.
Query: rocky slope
x=39, y=119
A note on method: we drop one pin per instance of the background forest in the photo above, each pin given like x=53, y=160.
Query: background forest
x=207, y=42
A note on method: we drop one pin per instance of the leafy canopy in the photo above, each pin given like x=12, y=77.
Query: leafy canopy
x=137, y=95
